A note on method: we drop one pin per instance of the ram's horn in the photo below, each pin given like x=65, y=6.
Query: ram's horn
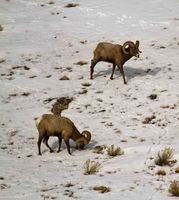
x=87, y=135
x=127, y=45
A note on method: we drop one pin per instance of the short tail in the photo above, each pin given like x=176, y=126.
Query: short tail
x=37, y=121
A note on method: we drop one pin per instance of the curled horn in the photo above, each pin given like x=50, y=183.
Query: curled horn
x=127, y=45
x=87, y=136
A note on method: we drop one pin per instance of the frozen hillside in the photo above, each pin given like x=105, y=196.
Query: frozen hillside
x=43, y=41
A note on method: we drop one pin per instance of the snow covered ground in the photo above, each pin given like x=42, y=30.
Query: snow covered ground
x=40, y=42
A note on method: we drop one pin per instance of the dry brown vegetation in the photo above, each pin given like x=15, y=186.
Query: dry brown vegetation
x=91, y=167
x=69, y=185
x=99, y=149
x=161, y=172
x=81, y=62
x=177, y=170
x=114, y=151
x=64, y=78
x=164, y=157
x=102, y=189
x=148, y=120
x=61, y=104
x=1, y=28
x=174, y=188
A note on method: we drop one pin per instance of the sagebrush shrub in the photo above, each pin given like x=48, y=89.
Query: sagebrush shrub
x=164, y=157
x=102, y=189
x=91, y=167
x=174, y=188
x=114, y=151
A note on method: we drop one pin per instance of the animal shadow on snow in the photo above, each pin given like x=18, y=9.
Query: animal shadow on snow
x=54, y=146
x=130, y=72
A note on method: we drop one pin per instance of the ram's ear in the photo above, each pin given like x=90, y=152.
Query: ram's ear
x=137, y=43
x=137, y=46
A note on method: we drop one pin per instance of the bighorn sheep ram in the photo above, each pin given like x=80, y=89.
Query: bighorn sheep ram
x=61, y=127
x=115, y=54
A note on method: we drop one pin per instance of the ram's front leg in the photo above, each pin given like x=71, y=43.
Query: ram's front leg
x=67, y=145
x=122, y=73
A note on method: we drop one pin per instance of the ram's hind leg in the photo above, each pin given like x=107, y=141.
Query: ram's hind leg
x=113, y=69
x=59, y=143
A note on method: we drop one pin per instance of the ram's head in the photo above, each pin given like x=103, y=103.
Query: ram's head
x=83, y=140
x=131, y=48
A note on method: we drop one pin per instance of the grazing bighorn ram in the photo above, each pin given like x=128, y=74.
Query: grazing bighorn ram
x=61, y=127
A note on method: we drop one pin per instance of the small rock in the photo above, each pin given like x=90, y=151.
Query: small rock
x=86, y=84
x=152, y=96
x=28, y=156
x=26, y=68
x=71, y=5
x=148, y=120
x=162, y=47
x=83, y=92
x=3, y=60
x=33, y=76
x=64, y=78
x=25, y=94
x=3, y=186
x=1, y=28
x=83, y=41
x=48, y=76
x=49, y=100
x=51, y=2
x=81, y=62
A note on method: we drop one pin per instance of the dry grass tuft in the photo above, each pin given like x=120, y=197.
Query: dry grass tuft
x=64, y=78
x=91, y=167
x=174, y=188
x=102, y=189
x=177, y=170
x=164, y=157
x=161, y=172
x=61, y=104
x=114, y=151
x=148, y=120
x=69, y=185
x=81, y=62
x=99, y=149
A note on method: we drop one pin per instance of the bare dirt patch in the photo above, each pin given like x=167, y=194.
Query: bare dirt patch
x=61, y=104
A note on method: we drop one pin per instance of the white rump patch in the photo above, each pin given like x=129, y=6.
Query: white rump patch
x=38, y=120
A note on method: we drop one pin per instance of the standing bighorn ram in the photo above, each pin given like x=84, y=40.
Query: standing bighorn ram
x=115, y=54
